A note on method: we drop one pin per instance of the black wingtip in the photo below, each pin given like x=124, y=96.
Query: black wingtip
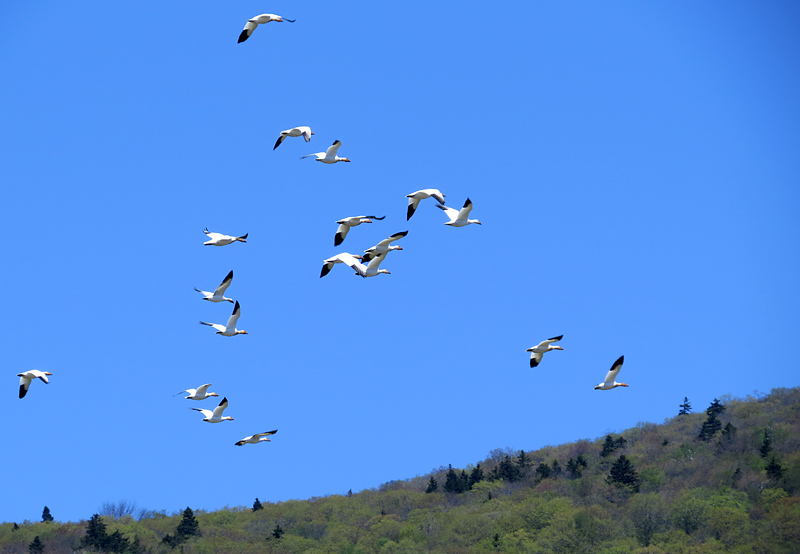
x=468, y=203
x=410, y=212
x=243, y=37
x=280, y=140
x=244, y=236
x=338, y=239
x=22, y=391
x=534, y=363
x=325, y=270
x=559, y=337
x=619, y=361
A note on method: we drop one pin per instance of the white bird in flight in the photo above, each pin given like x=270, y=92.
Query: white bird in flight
x=218, y=239
x=611, y=377
x=348, y=222
x=230, y=329
x=329, y=156
x=415, y=197
x=459, y=218
x=26, y=377
x=200, y=393
x=254, y=22
x=333, y=260
x=369, y=270
x=538, y=351
x=304, y=132
x=219, y=294
x=215, y=416
x=255, y=439
x=384, y=247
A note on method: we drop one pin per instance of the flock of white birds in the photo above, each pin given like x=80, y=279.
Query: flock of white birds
x=366, y=265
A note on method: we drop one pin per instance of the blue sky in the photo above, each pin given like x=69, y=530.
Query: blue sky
x=634, y=166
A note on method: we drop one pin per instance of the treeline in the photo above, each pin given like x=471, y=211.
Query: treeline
x=723, y=480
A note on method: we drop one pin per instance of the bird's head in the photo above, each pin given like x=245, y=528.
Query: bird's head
x=345, y=160
x=227, y=417
x=386, y=271
x=478, y=222
x=365, y=220
x=622, y=384
x=240, y=239
x=396, y=248
x=212, y=394
x=557, y=348
x=241, y=332
x=47, y=373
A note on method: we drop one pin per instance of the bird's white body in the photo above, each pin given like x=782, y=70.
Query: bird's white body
x=230, y=329
x=216, y=415
x=415, y=197
x=611, y=377
x=369, y=270
x=545, y=346
x=384, y=247
x=255, y=439
x=219, y=294
x=459, y=218
x=254, y=22
x=200, y=393
x=26, y=377
x=347, y=223
x=329, y=156
x=333, y=260
x=304, y=132
x=218, y=239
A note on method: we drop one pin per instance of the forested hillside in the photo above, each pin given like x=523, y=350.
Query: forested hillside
x=724, y=479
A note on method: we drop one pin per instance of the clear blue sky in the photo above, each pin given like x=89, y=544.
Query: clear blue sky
x=635, y=166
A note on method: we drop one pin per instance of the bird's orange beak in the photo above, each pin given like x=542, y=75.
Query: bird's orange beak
x=557, y=348
x=212, y=394
x=346, y=160
x=623, y=384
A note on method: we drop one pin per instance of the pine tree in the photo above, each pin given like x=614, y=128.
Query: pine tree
x=116, y=542
x=188, y=525
x=507, y=470
x=712, y=423
x=556, y=468
x=523, y=463
x=716, y=408
x=620, y=443
x=433, y=484
x=451, y=482
x=36, y=546
x=475, y=476
x=623, y=474
x=278, y=532
x=46, y=514
x=257, y=505
x=575, y=466
x=543, y=471
x=464, y=481
x=686, y=407
x=766, y=444
x=608, y=447
x=96, y=535
x=774, y=469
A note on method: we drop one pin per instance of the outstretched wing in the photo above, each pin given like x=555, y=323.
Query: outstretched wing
x=611, y=376
x=207, y=413
x=450, y=212
x=536, y=358
x=333, y=149
x=223, y=286
x=221, y=408
x=464, y=212
x=394, y=237
x=217, y=326
x=280, y=140
x=341, y=233
x=249, y=27
x=234, y=317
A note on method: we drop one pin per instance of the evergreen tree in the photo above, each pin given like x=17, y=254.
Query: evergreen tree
x=36, y=546
x=257, y=505
x=623, y=474
x=507, y=470
x=46, y=514
x=16, y=527
x=116, y=542
x=686, y=407
x=96, y=534
x=451, y=482
x=475, y=476
x=712, y=423
x=464, y=481
x=556, y=468
x=608, y=447
x=523, y=463
x=543, y=471
x=716, y=408
x=576, y=465
x=278, y=532
x=766, y=444
x=620, y=443
x=188, y=525
x=774, y=469
x=433, y=484
x=727, y=436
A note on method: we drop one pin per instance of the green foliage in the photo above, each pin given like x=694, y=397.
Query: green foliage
x=46, y=516
x=576, y=465
x=686, y=407
x=766, y=443
x=608, y=447
x=543, y=471
x=257, y=505
x=623, y=475
x=36, y=546
x=712, y=424
x=433, y=484
x=774, y=469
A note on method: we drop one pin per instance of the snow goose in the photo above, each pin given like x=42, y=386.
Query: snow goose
x=200, y=393
x=304, y=132
x=538, y=351
x=383, y=247
x=219, y=294
x=415, y=197
x=218, y=239
x=230, y=329
x=459, y=218
x=329, y=156
x=215, y=416
x=255, y=439
x=254, y=22
x=330, y=262
x=611, y=377
x=370, y=270
x=348, y=222
x=26, y=377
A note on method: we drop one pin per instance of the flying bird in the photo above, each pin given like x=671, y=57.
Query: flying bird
x=459, y=218
x=218, y=239
x=369, y=270
x=200, y=393
x=255, y=439
x=611, y=377
x=348, y=222
x=304, y=132
x=330, y=262
x=254, y=22
x=384, y=247
x=329, y=156
x=219, y=294
x=26, y=377
x=538, y=351
x=415, y=197
x=230, y=329
x=215, y=416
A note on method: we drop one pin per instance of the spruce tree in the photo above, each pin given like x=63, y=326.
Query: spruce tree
x=727, y=436
x=523, y=463
x=96, y=535
x=36, y=546
x=433, y=484
x=774, y=469
x=620, y=443
x=257, y=505
x=451, y=482
x=464, y=481
x=576, y=465
x=116, y=542
x=712, y=424
x=556, y=468
x=766, y=444
x=475, y=476
x=608, y=447
x=278, y=532
x=686, y=407
x=543, y=471
x=623, y=474
x=46, y=516
x=188, y=525
x=16, y=527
